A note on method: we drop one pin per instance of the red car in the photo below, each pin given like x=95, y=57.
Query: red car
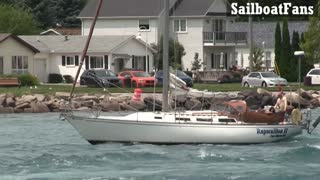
x=138, y=78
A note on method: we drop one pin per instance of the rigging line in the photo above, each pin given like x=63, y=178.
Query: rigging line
x=85, y=50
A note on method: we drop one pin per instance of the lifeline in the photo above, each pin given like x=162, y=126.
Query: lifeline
x=281, y=9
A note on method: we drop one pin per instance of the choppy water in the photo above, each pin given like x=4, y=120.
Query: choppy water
x=39, y=146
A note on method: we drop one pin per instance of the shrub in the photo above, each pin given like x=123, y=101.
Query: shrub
x=28, y=80
x=68, y=79
x=55, y=78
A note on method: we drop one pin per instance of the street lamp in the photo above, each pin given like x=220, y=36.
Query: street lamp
x=299, y=54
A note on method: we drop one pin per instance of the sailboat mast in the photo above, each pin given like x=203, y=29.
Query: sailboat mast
x=165, y=88
x=85, y=50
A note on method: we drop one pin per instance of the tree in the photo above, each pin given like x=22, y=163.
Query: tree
x=176, y=52
x=196, y=64
x=68, y=11
x=16, y=20
x=277, y=46
x=284, y=64
x=311, y=46
x=257, y=56
x=305, y=64
x=294, y=60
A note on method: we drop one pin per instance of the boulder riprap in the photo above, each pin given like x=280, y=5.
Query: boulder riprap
x=255, y=99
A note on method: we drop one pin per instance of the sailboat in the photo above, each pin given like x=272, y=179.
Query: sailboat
x=238, y=125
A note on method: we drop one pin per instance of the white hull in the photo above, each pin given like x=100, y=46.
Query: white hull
x=128, y=129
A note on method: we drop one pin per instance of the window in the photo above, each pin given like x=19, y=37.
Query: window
x=96, y=62
x=215, y=61
x=236, y=59
x=1, y=65
x=19, y=64
x=180, y=25
x=70, y=61
x=139, y=62
x=144, y=25
x=315, y=72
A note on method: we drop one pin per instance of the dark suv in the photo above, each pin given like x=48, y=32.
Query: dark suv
x=99, y=78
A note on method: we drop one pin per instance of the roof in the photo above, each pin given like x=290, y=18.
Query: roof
x=62, y=31
x=146, y=8
x=5, y=36
x=75, y=44
x=123, y=8
x=265, y=31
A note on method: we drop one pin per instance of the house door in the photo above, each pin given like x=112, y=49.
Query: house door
x=118, y=65
x=40, y=69
x=1, y=65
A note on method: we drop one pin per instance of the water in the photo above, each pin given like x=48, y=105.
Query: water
x=39, y=146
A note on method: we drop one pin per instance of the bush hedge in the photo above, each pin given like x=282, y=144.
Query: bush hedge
x=28, y=80
x=55, y=78
x=68, y=79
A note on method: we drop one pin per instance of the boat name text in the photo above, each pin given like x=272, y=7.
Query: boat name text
x=273, y=132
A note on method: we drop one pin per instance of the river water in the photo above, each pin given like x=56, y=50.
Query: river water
x=40, y=146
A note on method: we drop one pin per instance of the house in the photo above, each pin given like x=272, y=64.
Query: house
x=201, y=26
x=16, y=55
x=42, y=55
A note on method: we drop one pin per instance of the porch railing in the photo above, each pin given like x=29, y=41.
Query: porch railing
x=225, y=37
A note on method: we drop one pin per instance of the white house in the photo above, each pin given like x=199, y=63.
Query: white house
x=16, y=56
x=42, y=55
x=201, y=26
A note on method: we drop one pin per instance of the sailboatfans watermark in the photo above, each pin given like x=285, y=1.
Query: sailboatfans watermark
x=281, y=9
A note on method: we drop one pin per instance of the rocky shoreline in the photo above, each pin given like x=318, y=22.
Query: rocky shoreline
x=255, y=99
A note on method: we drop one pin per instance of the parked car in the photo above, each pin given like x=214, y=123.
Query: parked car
x=137, y=78
x=99, y=78
x=314, y=76
x=180, y=74
x=264, y=79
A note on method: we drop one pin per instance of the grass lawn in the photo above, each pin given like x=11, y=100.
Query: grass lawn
x=51, y=89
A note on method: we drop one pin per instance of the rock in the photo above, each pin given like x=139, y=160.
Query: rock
x=263, y=92
x=18, y=110
x=39, y=107
x=75, y=104
x=90, y=98
x=134, y=105
x=40, y=97
x=5, y=110
x=89, y=103
x=315, y=95
x=28, y=98
x=10, y=102
x=180, y=99
x=247, y=93
x=110, y=106
x=266, y=100
x=315, y=103
x=63, y=95
x=2, y=98
x=193, y=105
x=23, y=105
x=306, y=95
x=252, y=101
x=83, y=109
x=294, y=99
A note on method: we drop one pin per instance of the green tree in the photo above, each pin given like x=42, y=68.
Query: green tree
x=284, y=64
x=16, y=20
x=68, y=11
x=176, y=52
x=311, y=46
x=257, y=56
x=306, y=65
x=294, y=60
x=277, y=46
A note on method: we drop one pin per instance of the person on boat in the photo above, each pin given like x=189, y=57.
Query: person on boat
x=281, y=104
